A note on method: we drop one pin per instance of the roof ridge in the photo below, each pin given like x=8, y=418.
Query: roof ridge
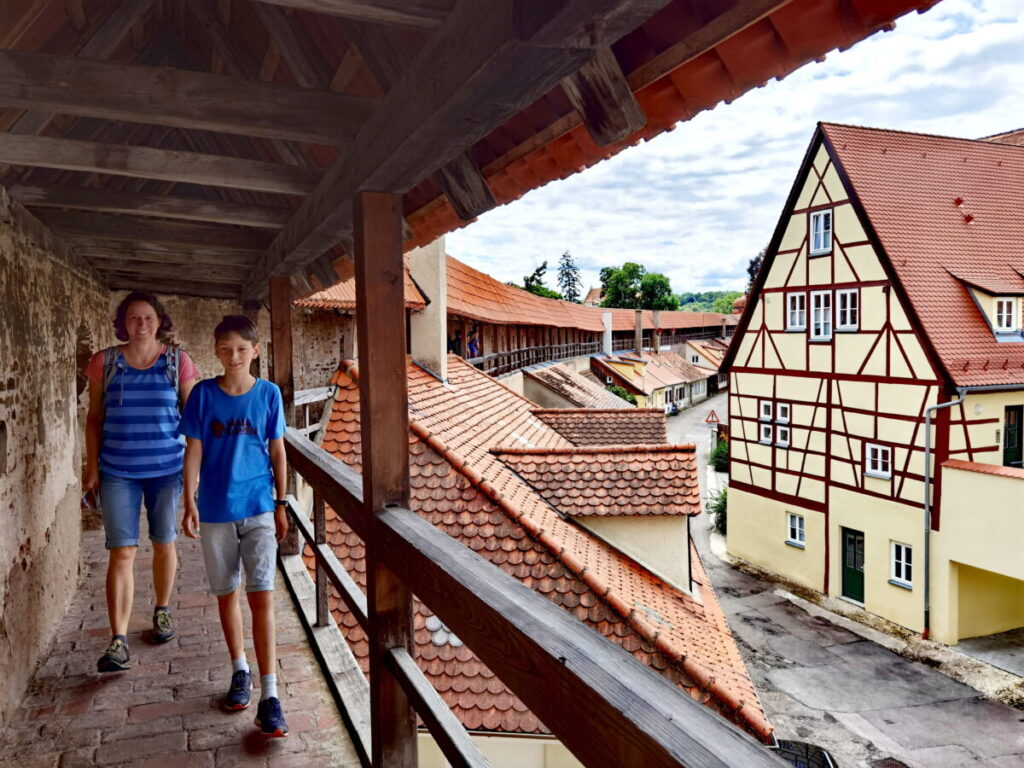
x=981, y=141
x=590, y=411
x=588, y=449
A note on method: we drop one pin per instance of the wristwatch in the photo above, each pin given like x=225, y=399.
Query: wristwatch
x=281, y=503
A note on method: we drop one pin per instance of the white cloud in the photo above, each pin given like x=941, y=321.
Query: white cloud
x=696, y=203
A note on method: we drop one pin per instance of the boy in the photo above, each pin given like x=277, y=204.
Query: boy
x=235, y=426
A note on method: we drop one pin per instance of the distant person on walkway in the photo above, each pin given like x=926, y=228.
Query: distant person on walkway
x=455, y=344
x=235, y=429
x=133, y=453
x=473, y=347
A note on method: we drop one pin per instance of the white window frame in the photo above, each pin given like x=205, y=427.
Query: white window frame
x=795, y=530
x=821, y=315
x=878, y=461
x=1010, y=325
x=848, y=316
x=796, y=311
x=901, y=563
x=782, y=412
x=821, y=235
x=764, y=431
x=764, y=412
x=700, y=387
x=782, y=435
x=695, y=359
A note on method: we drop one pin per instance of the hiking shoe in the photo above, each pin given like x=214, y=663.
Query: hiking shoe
x=163, y=628
x=116, y=658
x=238, y=694
x=269, y=718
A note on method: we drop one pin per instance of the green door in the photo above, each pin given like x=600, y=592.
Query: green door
x=1012, y=436
x=853, y=564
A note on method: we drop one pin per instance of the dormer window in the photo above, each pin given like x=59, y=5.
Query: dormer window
x=821, y=232
x=1006, y=316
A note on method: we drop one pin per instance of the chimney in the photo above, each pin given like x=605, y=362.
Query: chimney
x=429, y=327
x=655, y=341
x=638, y=333
x=723, y=328
x=606, y=336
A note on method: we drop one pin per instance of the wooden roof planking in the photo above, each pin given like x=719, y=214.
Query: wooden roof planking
x=253, y=124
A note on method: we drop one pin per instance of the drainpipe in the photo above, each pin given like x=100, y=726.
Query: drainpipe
x=962, y=392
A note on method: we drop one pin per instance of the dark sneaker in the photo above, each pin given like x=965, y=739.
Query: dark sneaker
x=238, y=694
x=163, y=628
x=116, y=658
x=269, y=718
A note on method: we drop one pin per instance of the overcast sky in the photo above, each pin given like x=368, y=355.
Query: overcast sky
x=698, y=202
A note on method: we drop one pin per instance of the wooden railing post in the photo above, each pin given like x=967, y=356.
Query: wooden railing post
x=384, y=431
x=323, y=616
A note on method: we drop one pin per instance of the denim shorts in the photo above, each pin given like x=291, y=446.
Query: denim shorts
x=121, y=500
x=228, y=547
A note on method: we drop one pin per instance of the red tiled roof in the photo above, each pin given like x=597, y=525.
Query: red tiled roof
x=590, y=426
x=593, y=296
x=343, y=296
x=909, y=185
x=1009, y=137
x=664, y=369
x=584, y=391
x=463, y=489
x=985, y=469
x=712, y=350
x=611, y=480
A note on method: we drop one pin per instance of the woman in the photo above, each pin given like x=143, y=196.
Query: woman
x=133, y=454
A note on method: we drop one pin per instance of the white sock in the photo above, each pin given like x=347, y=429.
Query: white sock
x=240, y=664
x=268, y=687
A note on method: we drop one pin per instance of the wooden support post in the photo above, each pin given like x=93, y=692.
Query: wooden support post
x=281, y=374
x=384, y=431
x=323, y=614
x=251, y=309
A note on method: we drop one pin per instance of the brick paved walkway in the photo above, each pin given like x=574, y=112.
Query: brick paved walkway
x=165, y=711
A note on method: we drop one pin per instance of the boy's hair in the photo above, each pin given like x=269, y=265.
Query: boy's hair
x=239, y=324
x=121, y=330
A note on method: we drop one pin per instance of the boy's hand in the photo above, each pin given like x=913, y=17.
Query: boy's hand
x=190, y=521
x=281, y=523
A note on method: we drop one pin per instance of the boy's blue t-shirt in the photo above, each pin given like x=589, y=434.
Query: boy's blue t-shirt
x=235, y=478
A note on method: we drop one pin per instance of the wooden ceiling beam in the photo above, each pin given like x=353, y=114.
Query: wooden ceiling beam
x=175, y=97
x=100, y=256
x=123, y=228
x=163, y=164
x=210, y=275
x=487, y=61
x=176, y=287
x=600, y=92
x=308, y=71
x=409, y=13
x=137, y=204
x=388, y=59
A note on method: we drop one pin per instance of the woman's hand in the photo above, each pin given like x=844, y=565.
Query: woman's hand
x=90, y=479
x=190, y=520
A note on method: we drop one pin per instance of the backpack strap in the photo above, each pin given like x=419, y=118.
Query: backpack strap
x=173, y=366
x=109, y=365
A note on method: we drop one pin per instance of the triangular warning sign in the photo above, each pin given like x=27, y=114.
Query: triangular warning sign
x=712, y=418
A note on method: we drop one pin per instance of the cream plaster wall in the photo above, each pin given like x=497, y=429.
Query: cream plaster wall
x=983, y=435
x=658, y=542
x=505, y=752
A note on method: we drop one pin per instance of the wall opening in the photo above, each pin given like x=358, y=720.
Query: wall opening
x=3, y=447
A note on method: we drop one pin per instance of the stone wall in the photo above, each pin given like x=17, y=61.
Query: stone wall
x=53, y=309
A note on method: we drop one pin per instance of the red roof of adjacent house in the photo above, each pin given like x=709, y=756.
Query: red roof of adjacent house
x=465, y=490
x=591, y=426
x=343, y=296
x=1009, y=137
x=663, y=369
x=593, y=296
x=945, y=207
x=712, y=350
x=611, y=480
x=582, y=390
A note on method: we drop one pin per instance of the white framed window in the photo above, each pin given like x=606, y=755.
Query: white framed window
x=847, y=309
x=765, y=431
x=700, y=387
x=796, y=311
x=765, y=410
x=795, y=529
x=782, y=412
x=1006, y=315
x=821, y=315
x=878, y=460
x=782, y=435
x=902, y=564
x=821, y=232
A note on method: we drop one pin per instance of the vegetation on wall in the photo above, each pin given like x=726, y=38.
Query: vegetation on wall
x=719, y=458
x=621, y=392
x=718, y=508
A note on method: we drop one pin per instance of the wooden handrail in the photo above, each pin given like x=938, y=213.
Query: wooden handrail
x=605, y=705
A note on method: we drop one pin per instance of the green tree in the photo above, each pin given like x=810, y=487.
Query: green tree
x=656, y=292
x=569, y=281
x=622, y=286
x=723, y=304
x=534, y=283
x=753, y=267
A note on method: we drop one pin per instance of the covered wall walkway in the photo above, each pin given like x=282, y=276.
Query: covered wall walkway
x=166, y=711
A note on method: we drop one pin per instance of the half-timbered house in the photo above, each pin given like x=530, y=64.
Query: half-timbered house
x=877, y=383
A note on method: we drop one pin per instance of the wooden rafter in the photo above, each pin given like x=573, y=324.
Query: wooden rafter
x=601, y=94
x=149, y=163
x=487, y=61
x=308, y=71
x=174, y=97
x=116, y=201
x=411, y=13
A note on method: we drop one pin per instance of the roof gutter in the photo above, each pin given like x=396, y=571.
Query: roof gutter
x=962, y=392
x=991, y=388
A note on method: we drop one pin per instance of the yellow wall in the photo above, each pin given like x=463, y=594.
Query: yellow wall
x=991, y=405
x=988, y=602
x=505, y=752
x=659, y=542
x=757, y=533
